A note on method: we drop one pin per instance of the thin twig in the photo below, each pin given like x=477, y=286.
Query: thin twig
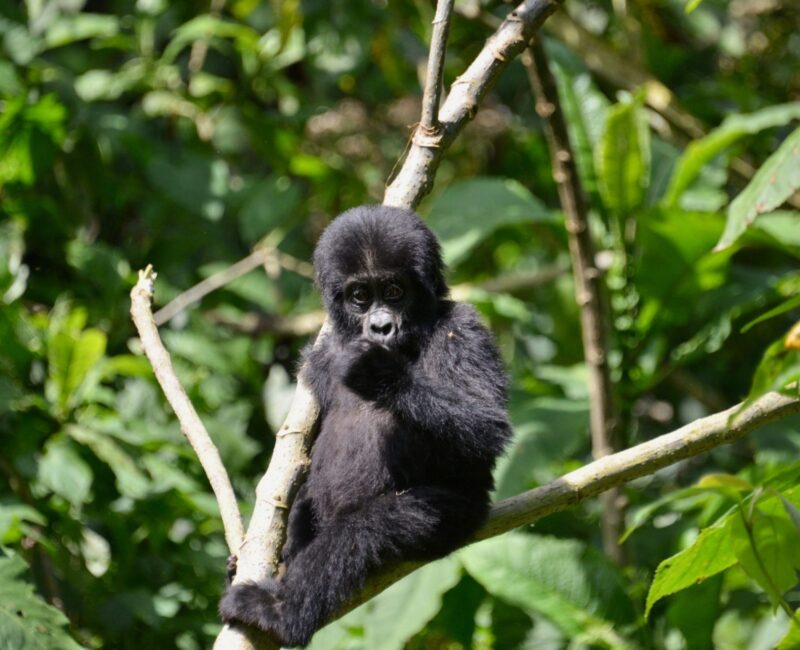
x=226, y=276
x=415, y=178
x=429, y=122
x=603, y=417
x=191, y=425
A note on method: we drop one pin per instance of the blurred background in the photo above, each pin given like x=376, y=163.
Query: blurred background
x=190, y=135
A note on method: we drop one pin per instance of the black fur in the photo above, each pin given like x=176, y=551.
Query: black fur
x=412, y=421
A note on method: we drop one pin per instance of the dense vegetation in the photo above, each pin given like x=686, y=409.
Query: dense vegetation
x=183, y=135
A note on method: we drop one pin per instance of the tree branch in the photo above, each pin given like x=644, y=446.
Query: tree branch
x=429, y=122
x=415, y=178
x=191, y=425
x=212, y=283
x=589, y=289
x=611, y=471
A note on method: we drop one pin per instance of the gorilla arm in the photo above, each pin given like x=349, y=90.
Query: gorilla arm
x=455, y=389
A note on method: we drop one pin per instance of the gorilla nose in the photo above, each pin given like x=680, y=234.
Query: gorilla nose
x=381, y=326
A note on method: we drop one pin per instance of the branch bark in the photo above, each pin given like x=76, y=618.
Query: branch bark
x=415, y=178
x=429, y=122
x=191, y=425
x=238, y=269
x=589, y=288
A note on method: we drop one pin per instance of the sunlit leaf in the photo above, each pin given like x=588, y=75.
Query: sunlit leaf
x=565, y=581
x=622, y=157
x=702, y=151
x=711, y=553
x=776, y=180
x=468, y=211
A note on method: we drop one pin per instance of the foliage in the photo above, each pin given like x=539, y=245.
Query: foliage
x=184, y=136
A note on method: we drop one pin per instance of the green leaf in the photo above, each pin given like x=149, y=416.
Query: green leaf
x=71, y=358
x=622, y=157
x=777, y=369
x=29, y=137
x=694, y=612
x=407, y=606
x=565, y=581
x=130, y=480
x=776, y=557
x=785, y=306
x=792, y=639
x=78, y=27
x=387, y=621
x=702, y=151
x=469, y=211
x=776, y=180
x=585, y=108
x=777, y=229
x=64, y=472
x=207, y=27
x=546, y=430
x=711, y=553
x=26, y=621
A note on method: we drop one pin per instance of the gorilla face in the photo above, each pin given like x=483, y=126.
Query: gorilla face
x=380, y=273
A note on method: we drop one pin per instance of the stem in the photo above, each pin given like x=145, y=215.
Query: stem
x=603, y=415
x=191, y=425
x=429, y=122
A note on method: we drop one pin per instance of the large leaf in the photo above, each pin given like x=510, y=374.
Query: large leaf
x=468, y=211
x=712, y=552
x=387, y=621
x=771, y=556
x=546, y=431
x=64, y=472
x=404, y=608
x=776, y=180
x=585, y=108
x=702, y=151
x=622, y=157
x=71, y=357
x=131, y=481
x=26, y=621
x=565, y=581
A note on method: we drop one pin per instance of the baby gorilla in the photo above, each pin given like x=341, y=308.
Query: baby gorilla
x=412, y=396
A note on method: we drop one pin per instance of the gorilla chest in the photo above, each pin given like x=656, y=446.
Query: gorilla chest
x=361, y=451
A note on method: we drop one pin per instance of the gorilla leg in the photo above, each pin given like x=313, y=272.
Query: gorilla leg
x=301, y=528
x=418, y=523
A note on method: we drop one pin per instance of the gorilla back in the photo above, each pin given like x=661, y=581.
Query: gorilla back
x=413, y=416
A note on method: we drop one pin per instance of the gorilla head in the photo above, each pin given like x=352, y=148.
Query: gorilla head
x=380, y=273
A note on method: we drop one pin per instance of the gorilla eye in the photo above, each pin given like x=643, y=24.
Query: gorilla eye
x=360, y=295
x=393, y=292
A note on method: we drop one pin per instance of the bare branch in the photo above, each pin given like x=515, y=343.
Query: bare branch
x=415, y=178
x=429, y=122
x=266, y=534
x=245, y=265
x=191, y=426
x=611, y=471
x=589, y=288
